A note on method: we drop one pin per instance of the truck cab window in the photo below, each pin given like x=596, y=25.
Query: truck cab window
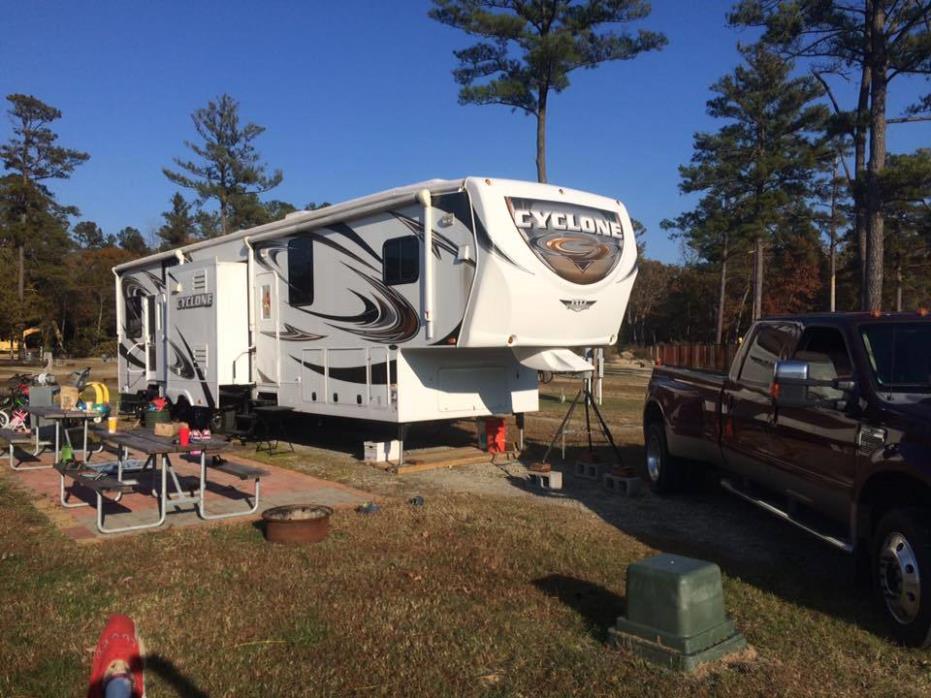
x=826, y=352
x=401, y=260
x=769, y=344
x=301, y=271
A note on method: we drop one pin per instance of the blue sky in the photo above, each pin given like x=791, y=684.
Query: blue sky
x=357, y=97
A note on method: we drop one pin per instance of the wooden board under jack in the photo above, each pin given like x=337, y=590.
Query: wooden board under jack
x=435, y=458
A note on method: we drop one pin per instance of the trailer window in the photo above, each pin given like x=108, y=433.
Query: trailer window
x=134, y=317
x=301, y=271
x=401, y=260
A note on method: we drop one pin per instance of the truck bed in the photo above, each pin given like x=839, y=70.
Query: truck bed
x=690, y=400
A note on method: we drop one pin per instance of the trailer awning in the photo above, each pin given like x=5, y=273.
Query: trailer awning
x=556, y=360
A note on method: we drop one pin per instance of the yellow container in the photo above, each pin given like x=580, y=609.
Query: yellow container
x=112, y=423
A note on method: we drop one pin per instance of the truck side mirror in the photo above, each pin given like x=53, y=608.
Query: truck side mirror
x=792, y=381
x=790, y=384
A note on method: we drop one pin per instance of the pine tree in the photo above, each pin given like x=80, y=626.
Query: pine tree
x=878, y=41
x=527, y=50
x=33, y=157
x=179, y=227
x=760, y=170
x=89, y=236
x=132, y=240
x=228, y=169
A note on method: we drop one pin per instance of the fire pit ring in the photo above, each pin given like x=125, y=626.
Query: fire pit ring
x=297, y=523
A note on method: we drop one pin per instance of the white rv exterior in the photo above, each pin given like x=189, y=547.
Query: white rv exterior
x=358, y=310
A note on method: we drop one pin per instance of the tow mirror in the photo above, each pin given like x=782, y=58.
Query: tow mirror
x=792, y=381
x=790, y=384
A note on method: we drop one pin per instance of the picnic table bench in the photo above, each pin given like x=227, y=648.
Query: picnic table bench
x=10, y=439
x=157, y=451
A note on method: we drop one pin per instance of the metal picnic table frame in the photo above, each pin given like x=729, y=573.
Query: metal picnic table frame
x=56, y=415
x=157, y=450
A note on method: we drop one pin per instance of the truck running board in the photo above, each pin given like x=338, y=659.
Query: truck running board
x=786, y=516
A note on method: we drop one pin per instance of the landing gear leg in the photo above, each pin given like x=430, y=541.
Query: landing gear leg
x=402, y=435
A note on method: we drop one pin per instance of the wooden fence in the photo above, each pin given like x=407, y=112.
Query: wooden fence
x=710, y=356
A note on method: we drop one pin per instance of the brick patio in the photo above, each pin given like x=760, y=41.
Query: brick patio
x=225, y=493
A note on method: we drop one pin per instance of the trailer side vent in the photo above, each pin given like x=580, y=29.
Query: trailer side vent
x=199, y=282
x=200, y=355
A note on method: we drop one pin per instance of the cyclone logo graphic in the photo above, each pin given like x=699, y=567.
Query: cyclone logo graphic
x=578, y=254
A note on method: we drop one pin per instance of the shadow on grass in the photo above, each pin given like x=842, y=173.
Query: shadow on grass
x=169, y=673
x=598, y=607
x=745, y=542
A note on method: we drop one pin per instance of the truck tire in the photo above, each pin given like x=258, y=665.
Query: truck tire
x=661, y=471
x=901, y=562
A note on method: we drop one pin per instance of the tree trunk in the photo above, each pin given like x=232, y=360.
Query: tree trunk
x=859, y=150
x=898, y=284
x=722, y=292
x=878, y=87
x=758, y=279
x=832, y=231
x=541, y=138
x=99, y=324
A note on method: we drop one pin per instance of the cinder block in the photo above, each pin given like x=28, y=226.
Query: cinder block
x=625, y=486
x=587, y=470
x=547, y=481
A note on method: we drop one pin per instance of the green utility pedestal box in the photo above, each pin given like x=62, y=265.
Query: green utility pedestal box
x=675, y=613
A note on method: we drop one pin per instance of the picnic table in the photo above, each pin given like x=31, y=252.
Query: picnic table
x=103, y=481
x=58, y=416
x=267, y=426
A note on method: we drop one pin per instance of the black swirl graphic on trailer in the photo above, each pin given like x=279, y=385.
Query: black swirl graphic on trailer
x=205, y=386
x=156, y=281
x=180, y=365
x=293, y=334
x=131, y=358
x=440, y=241
x=387, y=317
x=353, y=374
x=485, y=242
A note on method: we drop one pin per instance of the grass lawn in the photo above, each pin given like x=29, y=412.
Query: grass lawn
x=503, y=593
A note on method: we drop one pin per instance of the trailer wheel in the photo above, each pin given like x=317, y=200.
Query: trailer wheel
x=662, y=472
x=901, y=562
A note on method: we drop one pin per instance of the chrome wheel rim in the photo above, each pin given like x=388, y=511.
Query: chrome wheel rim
x=899, y=578
x=654, y=458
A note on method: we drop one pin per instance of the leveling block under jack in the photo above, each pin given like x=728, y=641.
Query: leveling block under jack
x=675, y=613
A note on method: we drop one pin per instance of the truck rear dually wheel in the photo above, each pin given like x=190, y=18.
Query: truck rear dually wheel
x=901, y=563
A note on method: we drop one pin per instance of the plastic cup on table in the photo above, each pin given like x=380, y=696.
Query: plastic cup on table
x=112, y=423
x=184, y=436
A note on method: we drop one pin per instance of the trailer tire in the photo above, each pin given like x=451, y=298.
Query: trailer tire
x=662, y=472
x=901, y=564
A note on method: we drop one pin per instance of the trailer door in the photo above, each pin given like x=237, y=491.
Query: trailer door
x=267, y=361
x=149, y=321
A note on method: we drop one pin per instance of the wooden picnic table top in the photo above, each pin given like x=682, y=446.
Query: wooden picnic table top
x=150, y=444
x=53, y=412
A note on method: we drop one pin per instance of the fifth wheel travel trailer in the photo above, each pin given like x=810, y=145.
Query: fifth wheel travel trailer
x=439, y=300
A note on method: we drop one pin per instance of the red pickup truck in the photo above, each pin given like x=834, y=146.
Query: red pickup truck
x=824, y=421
